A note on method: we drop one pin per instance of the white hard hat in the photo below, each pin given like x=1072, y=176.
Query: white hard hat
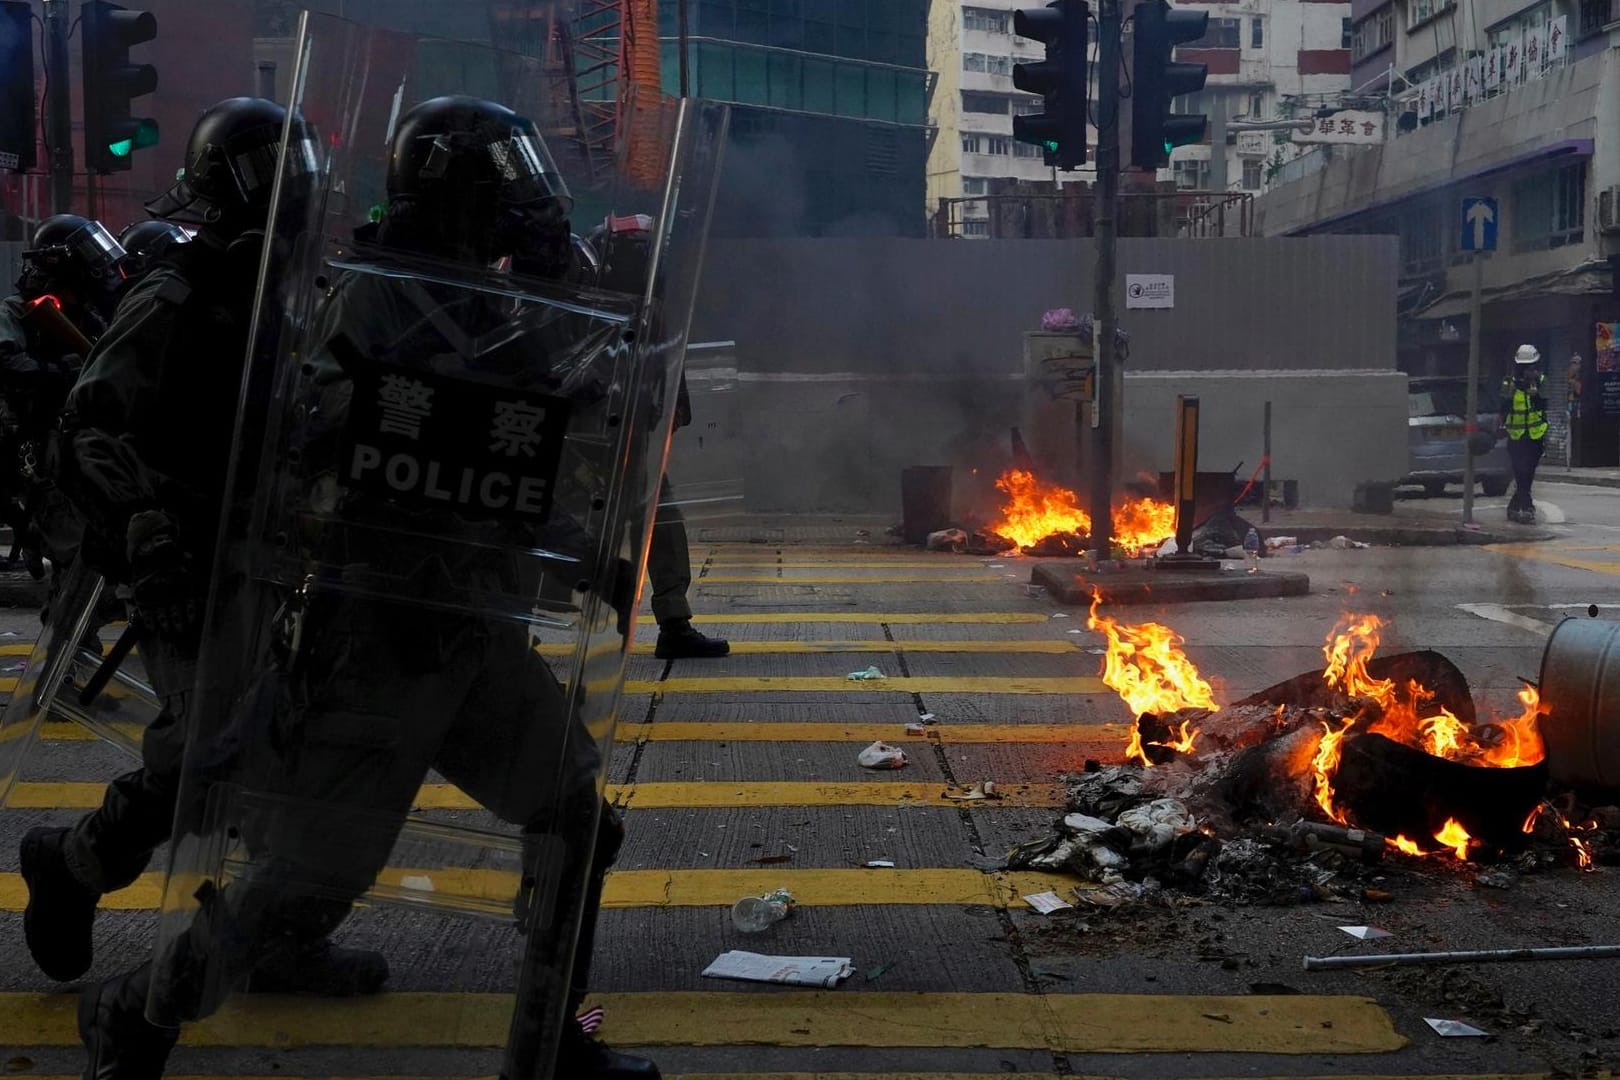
x=1527, y=354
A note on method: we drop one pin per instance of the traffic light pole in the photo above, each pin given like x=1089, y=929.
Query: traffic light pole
x=59, y=105
x=1103, y=417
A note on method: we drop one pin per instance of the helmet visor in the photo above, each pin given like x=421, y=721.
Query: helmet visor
x=526, y=171
x=90, y=245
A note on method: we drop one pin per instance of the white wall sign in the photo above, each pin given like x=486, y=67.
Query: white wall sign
x=1348, y=126
x=1150, y=290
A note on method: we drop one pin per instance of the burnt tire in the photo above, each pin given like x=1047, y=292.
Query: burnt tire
x=1494, y=486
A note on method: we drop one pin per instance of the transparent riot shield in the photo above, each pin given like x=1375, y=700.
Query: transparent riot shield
x=448, y=450
x=74, y=673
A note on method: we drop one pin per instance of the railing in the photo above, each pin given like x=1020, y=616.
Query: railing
x=1072, y=214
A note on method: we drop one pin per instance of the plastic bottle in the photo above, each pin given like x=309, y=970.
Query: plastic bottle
x=755, y=914
x=1251, y=550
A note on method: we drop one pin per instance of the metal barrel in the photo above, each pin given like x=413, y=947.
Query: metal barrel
x=1580, y=697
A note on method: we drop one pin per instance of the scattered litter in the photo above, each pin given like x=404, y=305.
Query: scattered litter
x=984, y=789
x=880, y=755
x=928, y=718
x=947, y=540
x=1060, y=614
x=1366, y=933
x=1377, y=896
x=868, y=675
x=1224, y=1018
x=880, y=864
x=1450, y=1028
x=1111, y=896
x=823, y=971
x=877, y=971
x=754, y=914
x=419, y=882
x=917, y=729
x=1076, y=630
x=1047, y=902
x=1344, y=543
x=1097, y=651
x=1497, y=879
x=10, y=633
x=15, y=667
x=1157, y=823
x=591, y=1019
x=994, y=565
x=769, y=859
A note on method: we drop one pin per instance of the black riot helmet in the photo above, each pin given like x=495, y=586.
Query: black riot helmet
x=71, y=254
x=145, y=242
x=623, y=243
x=230, y=167
x=470, y=179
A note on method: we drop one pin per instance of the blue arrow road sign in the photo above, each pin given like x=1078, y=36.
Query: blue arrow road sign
x=1479, y=225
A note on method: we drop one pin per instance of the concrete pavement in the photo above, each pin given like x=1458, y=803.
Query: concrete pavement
x=740, y=775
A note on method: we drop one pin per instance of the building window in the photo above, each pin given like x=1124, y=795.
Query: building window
x=1000, y=145
x=1595, y=15
x=994, y=104
x=994, y=22
x=972, y=144
x=1257, y=106
x=998, y=65
x=973, y=61
x=1373, y=33
x=1026, y=150
x=1347, y=33
x=1192, y=174
x=975, y=228
x=975, y=185
x=1027, y=106
x=1253, y=170
x=1221, y=34
x=1257, y=33
x=1549, y=210
x=1423, y=10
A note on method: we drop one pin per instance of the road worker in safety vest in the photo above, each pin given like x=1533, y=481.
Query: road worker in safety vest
x=1523, y=417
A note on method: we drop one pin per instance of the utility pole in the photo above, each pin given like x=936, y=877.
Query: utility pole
x=1103, y=413
x=1471, y=391
x=59, y=105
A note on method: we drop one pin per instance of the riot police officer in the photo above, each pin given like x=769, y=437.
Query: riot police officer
x=143, y=439
x=67, y=289
x=377, y=639
x=144, y=243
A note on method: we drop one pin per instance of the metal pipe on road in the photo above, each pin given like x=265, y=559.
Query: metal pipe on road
x=1477, y=956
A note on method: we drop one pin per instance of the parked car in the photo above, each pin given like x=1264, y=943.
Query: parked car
x=1437, y=441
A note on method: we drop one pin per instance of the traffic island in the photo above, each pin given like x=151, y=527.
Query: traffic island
x=1069, y=582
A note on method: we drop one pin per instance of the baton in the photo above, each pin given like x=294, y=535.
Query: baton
x=1481, y=956
x=109, y=667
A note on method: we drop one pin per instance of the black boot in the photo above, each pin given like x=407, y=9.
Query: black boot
x=583, y=1058
x=114, y=1028
x=677, y=640
x=61, y=910
x=320, y=968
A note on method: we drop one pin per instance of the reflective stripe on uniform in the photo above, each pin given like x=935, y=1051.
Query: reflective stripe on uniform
x=1523, y=417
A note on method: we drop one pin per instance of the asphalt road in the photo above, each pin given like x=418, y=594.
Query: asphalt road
x=740, y=775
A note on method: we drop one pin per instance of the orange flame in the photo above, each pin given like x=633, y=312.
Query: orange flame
x=1145, y=666
x=1350, y=645
x=1583, y=853
x=1036, y=510
x=1455, y=837
x=1401, y=843
x=1325, y=764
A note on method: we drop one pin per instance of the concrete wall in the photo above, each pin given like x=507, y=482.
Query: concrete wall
x=858, y=358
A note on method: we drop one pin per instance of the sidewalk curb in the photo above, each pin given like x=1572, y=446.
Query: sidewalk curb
x=1579, y=480
x=1067, y=583
x=1407, y=535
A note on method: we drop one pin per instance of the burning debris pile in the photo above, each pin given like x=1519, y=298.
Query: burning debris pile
x=1038, y=518
x=1296, y=793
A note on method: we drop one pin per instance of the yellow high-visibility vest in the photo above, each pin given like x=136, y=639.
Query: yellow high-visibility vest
x=1525, y=418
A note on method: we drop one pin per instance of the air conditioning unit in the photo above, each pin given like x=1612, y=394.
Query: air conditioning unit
x=1608, y=210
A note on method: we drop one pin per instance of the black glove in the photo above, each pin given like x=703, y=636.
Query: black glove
x=625, y=580
x=162, y=578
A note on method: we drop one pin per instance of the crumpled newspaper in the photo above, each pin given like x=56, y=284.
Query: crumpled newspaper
x=1159, y=822
x=868, y=675
x=880, y=755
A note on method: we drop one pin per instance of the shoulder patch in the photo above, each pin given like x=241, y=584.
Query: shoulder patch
x=172, y=290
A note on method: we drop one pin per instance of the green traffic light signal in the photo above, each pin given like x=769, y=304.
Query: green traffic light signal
x=121, y=148
x=1051, y=144
x=146, y=134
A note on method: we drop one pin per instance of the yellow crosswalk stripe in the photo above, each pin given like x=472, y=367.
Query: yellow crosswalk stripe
x=874, y=645
x=1094, y=1023
x=754, y=1075
x=675, y=795
x=838, y=684
x=811, y=886
x=896, y=577
x=908, y=618
x=1091, y=740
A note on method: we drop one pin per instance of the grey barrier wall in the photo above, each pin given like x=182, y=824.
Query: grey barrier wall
x=857, y=358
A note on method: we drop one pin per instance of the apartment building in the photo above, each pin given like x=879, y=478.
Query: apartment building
x=1503, y=99
x=1267, y=59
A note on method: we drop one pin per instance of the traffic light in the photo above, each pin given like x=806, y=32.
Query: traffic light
x=1156, y=79
x=111, y=134
x=1060, y=127
x=17, y=109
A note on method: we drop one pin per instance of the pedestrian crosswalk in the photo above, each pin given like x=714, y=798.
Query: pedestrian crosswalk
x=721, y=763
